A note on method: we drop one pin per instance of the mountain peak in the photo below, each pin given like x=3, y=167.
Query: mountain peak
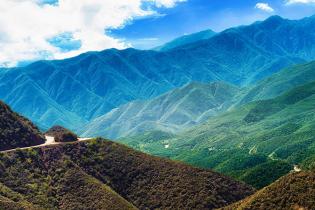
x=275, y=17
x=186, y=39
x=273, y=21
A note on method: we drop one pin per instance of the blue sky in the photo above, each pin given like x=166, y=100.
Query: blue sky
x=196, y=15
x=56, y=29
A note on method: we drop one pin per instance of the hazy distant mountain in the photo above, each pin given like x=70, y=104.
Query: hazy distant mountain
x=279, y=83
x=187, y=39
x=171, y=112
x=193, y=104
x=74, y=91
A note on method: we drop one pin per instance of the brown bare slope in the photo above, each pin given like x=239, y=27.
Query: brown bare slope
x=17, y=131
x=295, y=191
x=52, y=181
x=81, y=175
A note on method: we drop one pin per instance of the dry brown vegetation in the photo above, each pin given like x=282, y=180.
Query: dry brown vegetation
x=16, y=131
x=295, y=191
x=100, y=174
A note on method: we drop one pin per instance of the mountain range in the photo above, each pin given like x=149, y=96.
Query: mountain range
x=75, y=91
x=193, y=104
x=208, y=121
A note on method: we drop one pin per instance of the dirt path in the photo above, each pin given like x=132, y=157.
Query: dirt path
x=297, y=168
x=49, y=141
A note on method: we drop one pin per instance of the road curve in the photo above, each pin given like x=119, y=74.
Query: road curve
x=49, y=141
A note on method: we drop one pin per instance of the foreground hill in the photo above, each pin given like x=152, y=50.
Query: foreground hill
x=174, y=111
x=74, y=91
x=17, y=131
x=270, y=135
x=294, y=191
x=100, y=174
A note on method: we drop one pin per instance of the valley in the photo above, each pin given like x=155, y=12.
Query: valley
x=241, y=141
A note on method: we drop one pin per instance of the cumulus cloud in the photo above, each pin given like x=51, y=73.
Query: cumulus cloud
x=264, y=7
x=28, y=26
x=167, y=3
x=288, y=2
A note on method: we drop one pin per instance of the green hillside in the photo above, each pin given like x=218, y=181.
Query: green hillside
x=245, y=142
x=279, y=83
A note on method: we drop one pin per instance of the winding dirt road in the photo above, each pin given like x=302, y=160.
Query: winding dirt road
x=49, y=141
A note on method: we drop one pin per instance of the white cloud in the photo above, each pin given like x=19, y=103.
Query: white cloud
x=289, y=2
x=26, y=25
x=167, y=3
x=264, y=7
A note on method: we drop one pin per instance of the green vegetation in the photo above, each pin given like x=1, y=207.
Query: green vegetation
x=263, y=174
x=62, y=134
x=13, y=201
x=247, y=141
x=16, y=131
x=294, y=191
x=100, y=174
